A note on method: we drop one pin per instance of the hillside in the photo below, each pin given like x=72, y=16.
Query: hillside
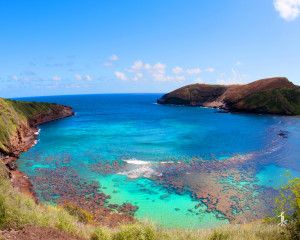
x=18, y=120
x=271, y=96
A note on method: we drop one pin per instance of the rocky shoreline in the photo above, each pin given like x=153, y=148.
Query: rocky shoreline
x=25, y=138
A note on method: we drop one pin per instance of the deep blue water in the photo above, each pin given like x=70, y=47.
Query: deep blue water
x=132, y=126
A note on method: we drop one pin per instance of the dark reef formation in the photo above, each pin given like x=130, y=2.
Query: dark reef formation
x=271, y=96
x=64, y=186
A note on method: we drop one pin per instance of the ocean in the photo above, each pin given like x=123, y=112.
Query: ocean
x=132, y=130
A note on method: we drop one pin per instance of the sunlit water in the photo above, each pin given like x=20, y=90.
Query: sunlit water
x=124, y=127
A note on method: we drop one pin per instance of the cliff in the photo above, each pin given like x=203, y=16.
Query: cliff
x=272, y=95
x=18, y=121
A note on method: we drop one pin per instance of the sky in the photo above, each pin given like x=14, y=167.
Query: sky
x=58, y=47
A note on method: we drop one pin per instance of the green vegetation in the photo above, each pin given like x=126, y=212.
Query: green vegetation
x=136, y=231
x=17, y=113
x=276, y=101
x=18, y=210
x=82, y=215
x=289, y=202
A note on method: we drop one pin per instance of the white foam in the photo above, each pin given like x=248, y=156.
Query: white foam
x=140, y=168
x=38, y=132
x=35, y=143
x=145, y=171
x=167, y=162
x=135, y=161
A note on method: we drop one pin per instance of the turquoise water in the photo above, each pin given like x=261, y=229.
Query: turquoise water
x=158, y=205
x=266, y=177
x=134, y=128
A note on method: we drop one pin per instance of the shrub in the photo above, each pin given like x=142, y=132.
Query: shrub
x=293, y=230
x=100, y=234
x=135, y=232
x=219, y=236
x=3, y=216
x=82, y=215
x=288, y=201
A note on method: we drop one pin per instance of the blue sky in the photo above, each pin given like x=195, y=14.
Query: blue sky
x=55, y=47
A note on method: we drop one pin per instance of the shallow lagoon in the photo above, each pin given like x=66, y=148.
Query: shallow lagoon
x=122, y=127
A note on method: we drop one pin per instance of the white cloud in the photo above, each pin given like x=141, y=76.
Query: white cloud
x=198, y=80
x=120, y=75
x=138, y=76
x=178, y=78
x=288, y=9
x=14, y=77
x=78, y=77
x=235, y=77
x=73, y=85
x=56, y=78
x=113, y=58
x=86, y=77
x=210, y=70
x=137, y=66
x=193, y=71
x=140, y=70
x=177, y=70
x=27, y=77
x=158, y=72
x=238, y=63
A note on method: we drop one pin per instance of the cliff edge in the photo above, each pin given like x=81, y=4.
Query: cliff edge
x=18, y=122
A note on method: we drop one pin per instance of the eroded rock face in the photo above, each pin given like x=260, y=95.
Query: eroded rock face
x=58, y=112
x=272, y=95
x=24, y=136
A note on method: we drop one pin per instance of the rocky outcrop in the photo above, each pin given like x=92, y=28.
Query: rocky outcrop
x=26, y=133
x=273, y=95
x=54, y=113
x=18, y=133
x=19, y=121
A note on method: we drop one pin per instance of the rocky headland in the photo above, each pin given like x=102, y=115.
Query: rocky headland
x=18, y=132
x=268, y=96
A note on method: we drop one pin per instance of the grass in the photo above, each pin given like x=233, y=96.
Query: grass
x=18, y=210
x=252, y=231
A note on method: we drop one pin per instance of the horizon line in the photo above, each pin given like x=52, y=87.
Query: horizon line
x=81, y=94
